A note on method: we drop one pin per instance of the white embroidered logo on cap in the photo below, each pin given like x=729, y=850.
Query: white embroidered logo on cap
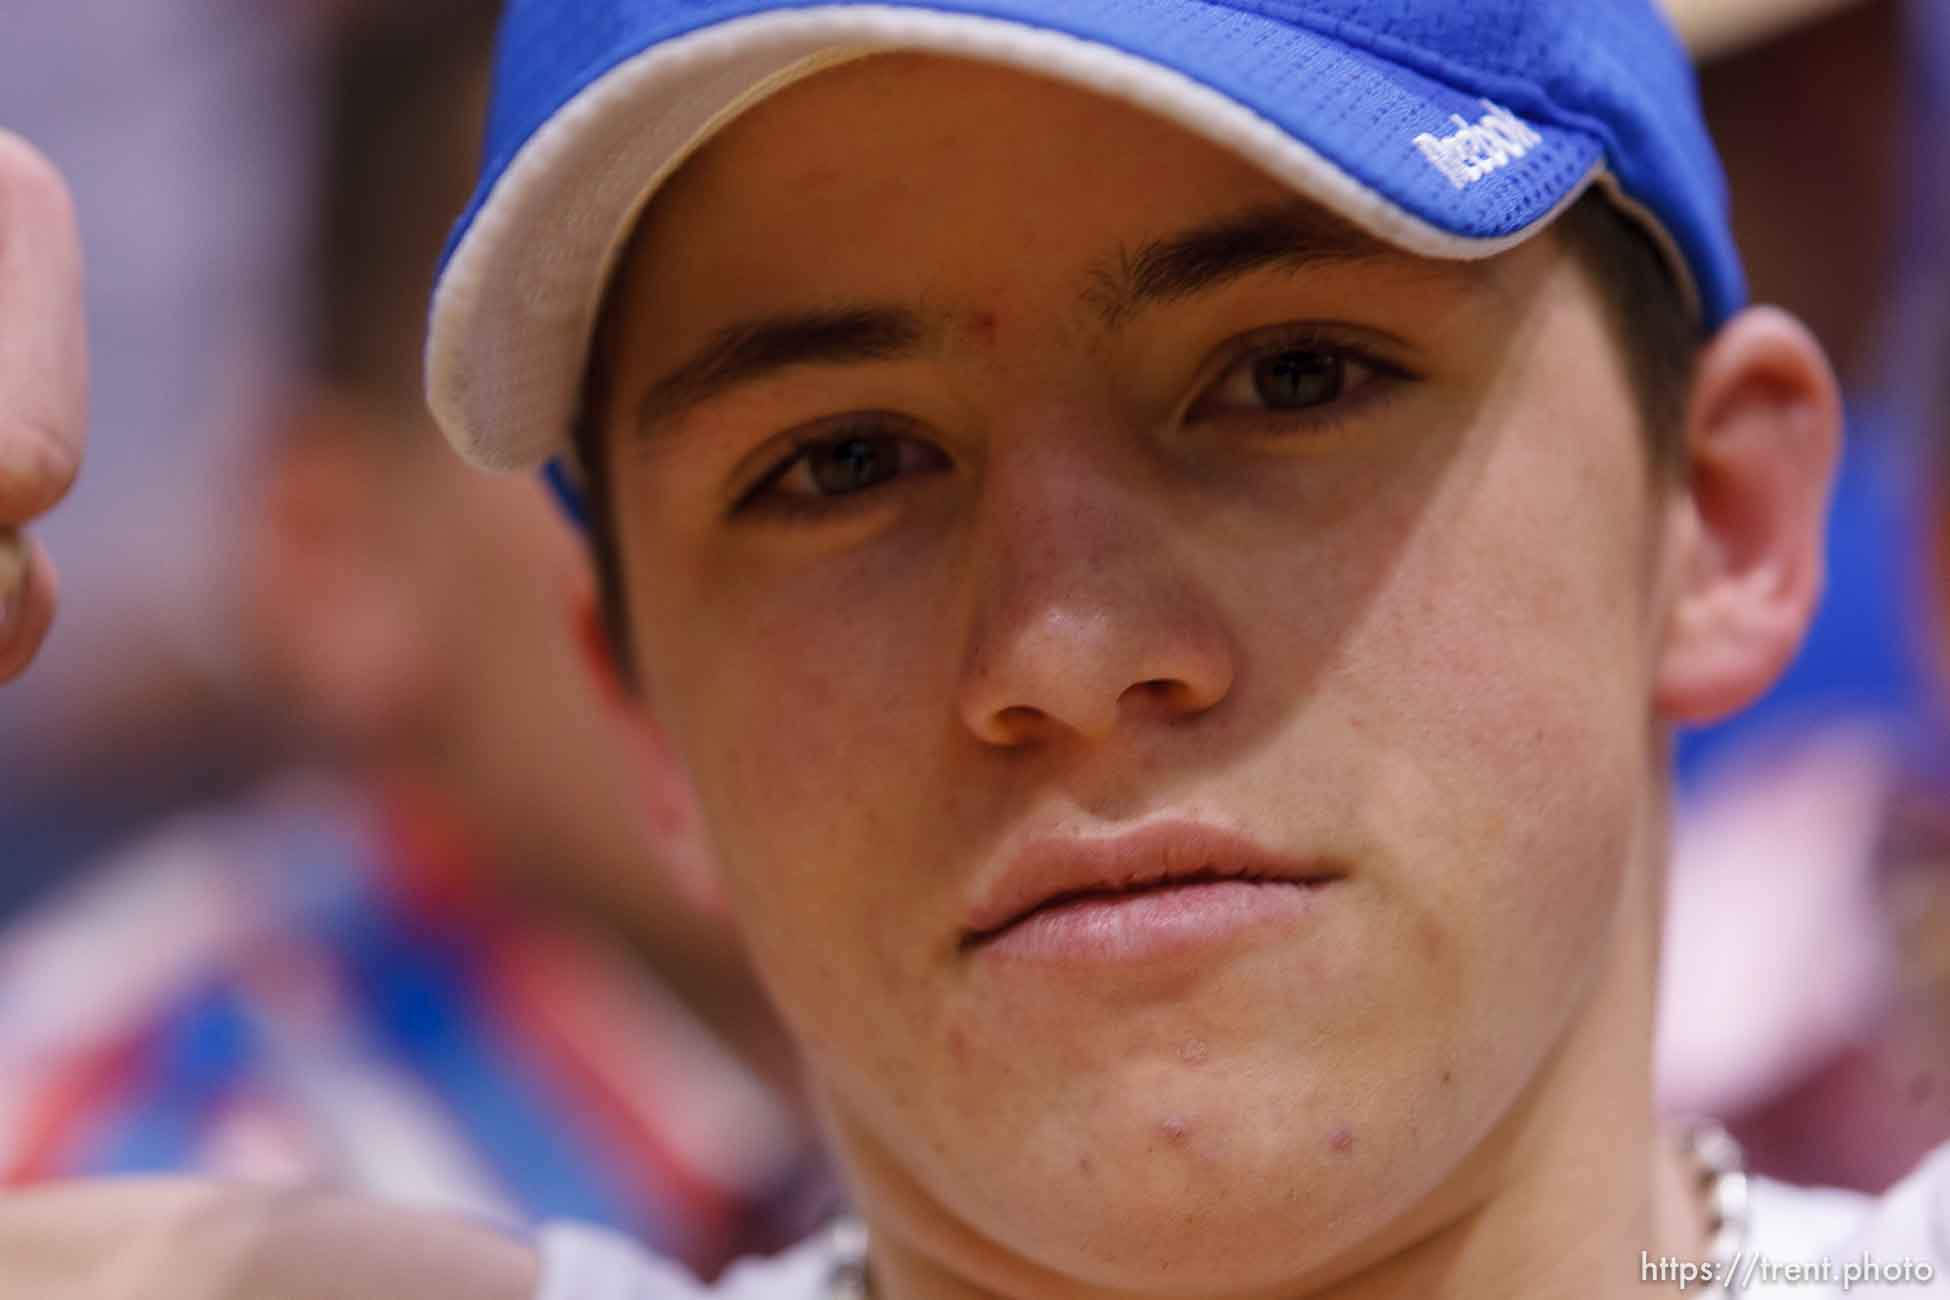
x=1479, y=148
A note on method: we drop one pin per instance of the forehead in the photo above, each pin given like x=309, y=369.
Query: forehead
x=922, y=110
x=913, y=178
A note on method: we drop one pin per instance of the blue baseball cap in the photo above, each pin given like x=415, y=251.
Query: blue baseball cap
x=1449, y=128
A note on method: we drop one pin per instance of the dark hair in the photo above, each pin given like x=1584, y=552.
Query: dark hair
x=1649, y=318
x=1651, y=321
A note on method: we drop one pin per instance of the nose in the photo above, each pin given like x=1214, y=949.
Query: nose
x=1088, y=617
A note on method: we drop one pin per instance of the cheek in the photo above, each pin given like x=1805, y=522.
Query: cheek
x=813, y=738
x=1503, y=672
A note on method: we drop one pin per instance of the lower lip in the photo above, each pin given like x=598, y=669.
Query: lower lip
x=1153, y=925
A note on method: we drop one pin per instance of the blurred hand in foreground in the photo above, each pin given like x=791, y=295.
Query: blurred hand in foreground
x=43, y=385
x=176, y=1239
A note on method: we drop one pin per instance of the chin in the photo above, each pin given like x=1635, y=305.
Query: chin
x=1168, y=1212
x=1212, y=1177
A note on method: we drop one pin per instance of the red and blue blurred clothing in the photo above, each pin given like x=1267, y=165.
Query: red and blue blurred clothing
x=316, y=988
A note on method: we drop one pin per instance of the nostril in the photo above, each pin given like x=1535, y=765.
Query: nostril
x=1166, y=697
x=1159, y=689
x=1018, y=722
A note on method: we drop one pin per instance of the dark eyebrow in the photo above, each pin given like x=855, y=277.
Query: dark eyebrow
x=1292, y=234
x=752, y=350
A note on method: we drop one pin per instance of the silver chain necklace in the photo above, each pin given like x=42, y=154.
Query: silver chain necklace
x=846, y=1241
x=1719, y=1165
x=1720, y=1169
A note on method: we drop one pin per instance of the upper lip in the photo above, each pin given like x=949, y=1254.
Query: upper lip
x=1059, y=869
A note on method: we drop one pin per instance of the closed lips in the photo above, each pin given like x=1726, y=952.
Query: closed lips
x=1054, y=871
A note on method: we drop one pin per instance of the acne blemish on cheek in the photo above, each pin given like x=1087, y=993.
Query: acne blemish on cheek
x=1430, y=935
x=1175, y=1131
x=1341, y=1142
x=1193, y=1052
x=983, y=327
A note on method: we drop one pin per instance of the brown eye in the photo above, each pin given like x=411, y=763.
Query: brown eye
x=852, y=464
x=848, y=464
x=1297, y=380
x=1293, y=378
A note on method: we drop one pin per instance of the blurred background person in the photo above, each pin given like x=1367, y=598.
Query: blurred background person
x=1796, y=973
x=448, y=957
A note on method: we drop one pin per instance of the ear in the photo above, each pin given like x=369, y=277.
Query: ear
x=671, y=819
x=1743, y=562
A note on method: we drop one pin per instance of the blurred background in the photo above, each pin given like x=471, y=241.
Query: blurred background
x=301, y=875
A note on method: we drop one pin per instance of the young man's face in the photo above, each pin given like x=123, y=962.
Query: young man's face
x=1142, y=495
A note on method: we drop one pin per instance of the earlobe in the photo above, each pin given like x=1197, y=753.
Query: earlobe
x=1743, y=557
